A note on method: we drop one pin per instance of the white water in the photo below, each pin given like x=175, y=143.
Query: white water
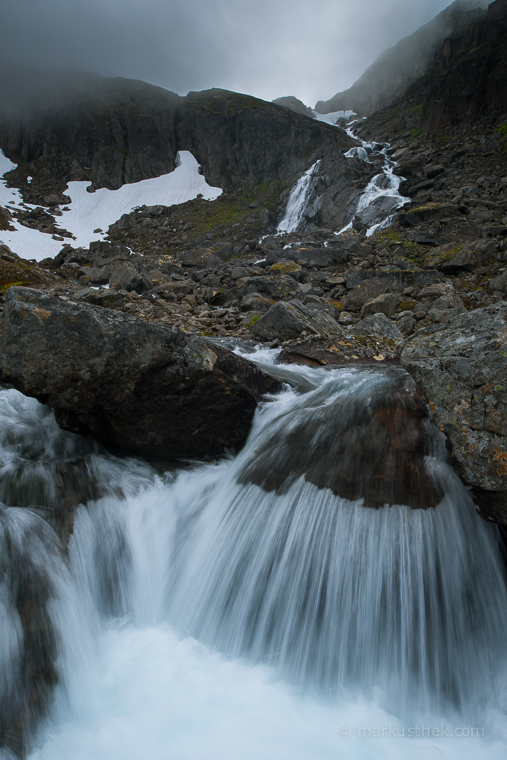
x=88, y=212
x=377, y=203
x=381, y=198
x=297, y=201
x=199, y=616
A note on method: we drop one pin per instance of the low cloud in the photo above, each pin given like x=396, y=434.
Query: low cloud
x=288, y=47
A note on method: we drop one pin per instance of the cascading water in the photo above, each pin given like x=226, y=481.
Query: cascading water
x=255, y=607
x=381, y=198
x=297, y=201
x=378, y=202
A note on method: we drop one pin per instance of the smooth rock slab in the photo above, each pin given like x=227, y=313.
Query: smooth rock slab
x=132, y=384
x=462, y=370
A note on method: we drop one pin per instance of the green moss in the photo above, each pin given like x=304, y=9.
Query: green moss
x=254, y=319
x=8, y=285
x=415, y=110
x=427, y=207
x=285, y=268
x=407, y=305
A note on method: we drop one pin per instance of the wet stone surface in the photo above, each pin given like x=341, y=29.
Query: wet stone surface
x=370, y=445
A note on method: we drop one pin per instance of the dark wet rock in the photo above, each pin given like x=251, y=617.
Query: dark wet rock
x=406, y=324
x=378, y=210
x=499, y=283
x=275, y=286
x=385, y=304
x=286, y=321
x=127, y=278
x=376, y=325
x=366, y=291
x=132, y=384
x=453, y=258
x=316, y=303
x=387, y=279
x=201, y=259
x=432, y=212
x=351, y=350
x=288, y=267
x=462, y=370
x=445, y=308
x=353, y=242
x=257, y=303
x=434, y=170
x=370, y=445
x=409, y=167
x=321, y=258
x=412, y=191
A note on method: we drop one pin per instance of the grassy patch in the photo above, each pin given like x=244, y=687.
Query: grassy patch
x=415, y=110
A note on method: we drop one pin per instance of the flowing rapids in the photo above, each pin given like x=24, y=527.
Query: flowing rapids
x=247, y=608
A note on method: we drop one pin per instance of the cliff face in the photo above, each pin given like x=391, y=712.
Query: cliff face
x=397, y=68
x=60, y=127
x=75, y=126
x=468, y=81
x=241, y=140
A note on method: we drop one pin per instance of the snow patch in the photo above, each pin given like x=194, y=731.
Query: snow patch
x=332, y=118
x=98, y=210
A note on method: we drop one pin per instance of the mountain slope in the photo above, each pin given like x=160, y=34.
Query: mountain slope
x=65, y=126
x=398, y=67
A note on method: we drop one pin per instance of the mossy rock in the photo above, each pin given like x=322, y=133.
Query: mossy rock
x=407, y=306
x=285, y=267
x=20, y=272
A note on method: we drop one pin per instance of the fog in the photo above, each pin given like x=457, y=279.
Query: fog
x=269, y=48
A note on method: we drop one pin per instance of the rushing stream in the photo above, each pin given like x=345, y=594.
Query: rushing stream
x=246, y=609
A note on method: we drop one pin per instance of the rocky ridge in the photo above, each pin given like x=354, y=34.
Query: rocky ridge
x=397, y=68
x=59, y=128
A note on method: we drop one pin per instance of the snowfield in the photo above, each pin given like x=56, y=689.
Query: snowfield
x=332, y=118
x=90, y=211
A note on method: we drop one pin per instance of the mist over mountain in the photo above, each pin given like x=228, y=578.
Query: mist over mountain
x=268, y=50
x=396, y=68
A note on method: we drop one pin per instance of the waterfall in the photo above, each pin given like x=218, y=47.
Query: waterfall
x=279, y=603
x=298, y=201
x=381, y=198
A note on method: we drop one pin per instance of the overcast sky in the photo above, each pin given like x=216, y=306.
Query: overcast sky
x=268, y=48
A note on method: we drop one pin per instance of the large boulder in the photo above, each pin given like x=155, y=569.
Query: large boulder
x=454, y=258
x=285, y=321
x=463, y=372
x=134, y=385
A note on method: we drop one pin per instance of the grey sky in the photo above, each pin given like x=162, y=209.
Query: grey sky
x=266, y=48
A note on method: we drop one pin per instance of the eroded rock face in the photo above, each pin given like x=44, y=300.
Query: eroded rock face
x=463, y=372
x=131, y=384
